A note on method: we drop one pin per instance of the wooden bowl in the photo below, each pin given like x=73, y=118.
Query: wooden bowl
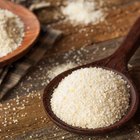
x=32, y=30
x=85, y=131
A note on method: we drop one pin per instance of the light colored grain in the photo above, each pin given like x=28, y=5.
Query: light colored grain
x=91, y=98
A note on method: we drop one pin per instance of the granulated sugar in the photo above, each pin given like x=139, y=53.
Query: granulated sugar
x=11, y=32
x=83, y=12
x=91, y=98
x=54, y=71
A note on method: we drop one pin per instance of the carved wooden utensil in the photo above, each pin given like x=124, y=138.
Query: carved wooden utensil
x=117, y=63
x=32, y=29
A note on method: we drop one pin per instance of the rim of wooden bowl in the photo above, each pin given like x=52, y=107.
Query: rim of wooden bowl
x=32, y=30
x=134, y=100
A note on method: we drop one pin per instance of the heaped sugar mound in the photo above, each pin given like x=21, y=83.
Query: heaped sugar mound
x=11, y=32
x=91, y=98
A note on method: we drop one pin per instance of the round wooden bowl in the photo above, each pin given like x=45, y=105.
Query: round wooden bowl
x=32, y=30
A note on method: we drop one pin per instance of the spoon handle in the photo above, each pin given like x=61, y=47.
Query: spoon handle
x=130, y=44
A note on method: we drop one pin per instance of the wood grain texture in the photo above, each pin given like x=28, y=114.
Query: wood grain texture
x=32, y=29
x=34, y=124
x=118, y=22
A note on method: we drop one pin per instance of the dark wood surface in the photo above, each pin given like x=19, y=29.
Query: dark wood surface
x=38, y=126
x=31, y=31
x=33, y=122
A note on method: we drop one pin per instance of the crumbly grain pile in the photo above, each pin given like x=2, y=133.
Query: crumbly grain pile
x=91, y=98
x=11, y=32
x=83, y=12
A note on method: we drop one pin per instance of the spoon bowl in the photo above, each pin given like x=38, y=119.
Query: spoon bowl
x=116, y=63
x=32, y=29
x=55, y=82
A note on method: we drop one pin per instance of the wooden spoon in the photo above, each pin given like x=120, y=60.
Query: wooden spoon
x=32, y=29
x=117, y=63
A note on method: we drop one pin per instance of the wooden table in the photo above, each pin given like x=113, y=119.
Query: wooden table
x=23, y=117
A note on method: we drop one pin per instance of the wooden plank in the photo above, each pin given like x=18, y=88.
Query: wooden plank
x=25, y=118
